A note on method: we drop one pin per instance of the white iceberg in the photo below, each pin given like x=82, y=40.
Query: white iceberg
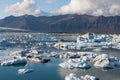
x=16, y=61
x=74, y=77
x=106, y=62
x=24, y=71
x=84, y=60
x=75, y=63
x=102, y=61
x=33, y=51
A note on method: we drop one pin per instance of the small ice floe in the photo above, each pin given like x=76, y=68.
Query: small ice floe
x=38, y=59
x=75, y=63
x=74, y=77
x=102, y=61
x=87, y=56
x=68, y=55
x=25, y=71
x=13, y=61
x=16, y=53
x=33, y=51
x=106, y=62
x=97, y=49
x=54, y=54
x=72, y=55
x=63, y=55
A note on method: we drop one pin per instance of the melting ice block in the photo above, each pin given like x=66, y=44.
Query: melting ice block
x=74, y=77
x=102, y=61
x=75, y=63
x=12, y=61
x=24, y=71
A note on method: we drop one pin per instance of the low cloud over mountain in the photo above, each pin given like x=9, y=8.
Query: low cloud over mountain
x=91, y=7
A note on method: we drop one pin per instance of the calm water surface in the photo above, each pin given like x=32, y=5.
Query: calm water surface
x=51, y=70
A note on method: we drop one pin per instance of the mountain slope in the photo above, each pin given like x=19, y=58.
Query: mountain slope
x=64, y=23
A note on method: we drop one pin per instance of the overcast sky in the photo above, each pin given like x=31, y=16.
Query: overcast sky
x=57, y=7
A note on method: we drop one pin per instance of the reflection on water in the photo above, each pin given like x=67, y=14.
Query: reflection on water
x=41, y=72
x=103, y=75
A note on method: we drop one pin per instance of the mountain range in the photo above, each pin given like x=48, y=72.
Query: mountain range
x=62, y=23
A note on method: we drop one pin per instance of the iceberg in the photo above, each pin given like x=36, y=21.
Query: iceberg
x=102, y=61
x=73, y=76
x=25, y=71
x=75, y=63
x=16, y=61
x=106, y=62
x=84, y=60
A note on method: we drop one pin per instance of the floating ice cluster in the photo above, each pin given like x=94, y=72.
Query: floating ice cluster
x=85, y=60
x=5, y=61
x=74, y=77
x=75, y=63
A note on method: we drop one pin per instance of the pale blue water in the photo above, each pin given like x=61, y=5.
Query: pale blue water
x=1, y=53
x=51, y=71
x=47, y=71
x=41, y=72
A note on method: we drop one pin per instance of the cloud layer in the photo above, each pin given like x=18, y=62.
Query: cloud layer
x=92, y=7
x=25, y=7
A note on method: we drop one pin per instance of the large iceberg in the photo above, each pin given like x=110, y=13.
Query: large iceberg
x=74, y=77
x=102, y=61
x=106, y=62
x=13, y=61
x=84, y=60
x=75, y=63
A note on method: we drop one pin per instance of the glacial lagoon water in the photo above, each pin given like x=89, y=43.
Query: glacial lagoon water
x=1, y=53
x=51, y=70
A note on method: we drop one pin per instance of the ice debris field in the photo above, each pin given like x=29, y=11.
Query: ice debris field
x=80, y=53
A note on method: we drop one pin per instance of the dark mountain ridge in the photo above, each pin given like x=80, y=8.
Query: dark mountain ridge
x=64, y=23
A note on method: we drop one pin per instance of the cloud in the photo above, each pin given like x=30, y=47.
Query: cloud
x=25, y=7
x=75, y=6
x=115, y=9
x=92, y=7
